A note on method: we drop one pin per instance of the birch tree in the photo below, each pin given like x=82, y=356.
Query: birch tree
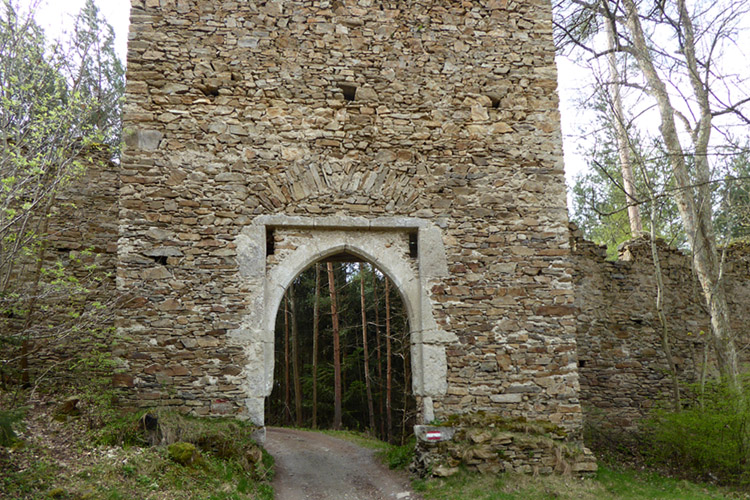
x=621, y=133
x=677, y=50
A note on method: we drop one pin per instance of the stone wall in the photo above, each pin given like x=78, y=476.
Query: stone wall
x=441, y=112
x=491, y=444
x=622, y=366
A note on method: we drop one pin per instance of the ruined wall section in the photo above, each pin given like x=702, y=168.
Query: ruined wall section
x=440, y=110
x=71, y=292
x=622, y=365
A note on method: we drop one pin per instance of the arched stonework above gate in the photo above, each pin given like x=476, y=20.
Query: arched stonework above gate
x=298, y=242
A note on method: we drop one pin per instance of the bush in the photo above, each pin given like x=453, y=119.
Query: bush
x=400, y=457
x=709, y=438
x=8, y=421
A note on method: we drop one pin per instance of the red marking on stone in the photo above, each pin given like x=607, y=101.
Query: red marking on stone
x=434, y=435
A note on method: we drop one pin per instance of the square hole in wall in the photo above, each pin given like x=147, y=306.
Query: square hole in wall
x=349, y=90
x=270, y=243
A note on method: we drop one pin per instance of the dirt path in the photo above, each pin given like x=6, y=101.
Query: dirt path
x=313, y=466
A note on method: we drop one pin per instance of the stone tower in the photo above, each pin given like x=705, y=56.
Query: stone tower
x=423, y=136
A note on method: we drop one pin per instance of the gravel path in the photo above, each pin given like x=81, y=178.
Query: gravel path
x=313, y=466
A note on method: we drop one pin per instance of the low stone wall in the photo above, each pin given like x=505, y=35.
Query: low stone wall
x=621, y=362
x=490, y=445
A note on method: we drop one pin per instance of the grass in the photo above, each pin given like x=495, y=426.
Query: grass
x=609, y=483
x=144, y=473
x=65, y=460
x=358, y=438
x=395, y=456
x=120, y=471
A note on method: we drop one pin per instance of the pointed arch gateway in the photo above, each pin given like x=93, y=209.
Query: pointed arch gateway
x=273, y=250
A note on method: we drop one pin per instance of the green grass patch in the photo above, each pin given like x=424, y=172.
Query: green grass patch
x=127, y=460
x=609, y=483
x=9, y=421
x=394, y=456
x=358, y=438
x=399, y=457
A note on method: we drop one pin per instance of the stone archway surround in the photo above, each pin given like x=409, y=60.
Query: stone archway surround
x=304, y=241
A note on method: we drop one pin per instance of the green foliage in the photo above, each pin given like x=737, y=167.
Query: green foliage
x=709, y=438
x=29, y=482
x=223, y=439
x=100, y=75
x=354, y=399
x=9, y=419
x=400, y=457
x=598, y=199
x=498, y=423
x=733, y=198
x=59, y=103
x=231, y=465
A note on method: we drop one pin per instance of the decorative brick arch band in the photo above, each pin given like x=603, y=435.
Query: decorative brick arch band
x=300, y=242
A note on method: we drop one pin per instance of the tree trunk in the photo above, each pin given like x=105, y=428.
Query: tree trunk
x=27, y=344
x=366, y=352
x=388, y=367
x=693, y=203
x=406, y=353
x=376, y=300
x=660, y=311
x=336, y=351
x=295, y=361
x=287, y=398
x=621, y=134
x=316, y=331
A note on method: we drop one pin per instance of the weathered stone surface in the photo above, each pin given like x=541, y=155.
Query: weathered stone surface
x=80, y=240
x=506, y=398
x=621, y=360
x=490, y=444
x=146, y=140
x=443, y=471
x=350, y=118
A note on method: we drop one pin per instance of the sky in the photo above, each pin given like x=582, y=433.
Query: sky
x=56, y=16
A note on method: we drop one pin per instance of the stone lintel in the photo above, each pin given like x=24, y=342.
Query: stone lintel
x=341, y=222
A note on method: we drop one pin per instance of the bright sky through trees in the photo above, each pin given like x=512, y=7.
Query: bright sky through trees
x=56, y=17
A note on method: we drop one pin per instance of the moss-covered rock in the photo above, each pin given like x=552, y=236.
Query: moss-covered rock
x=183, y=453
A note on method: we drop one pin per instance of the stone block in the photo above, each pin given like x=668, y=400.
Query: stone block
x=506, y=398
